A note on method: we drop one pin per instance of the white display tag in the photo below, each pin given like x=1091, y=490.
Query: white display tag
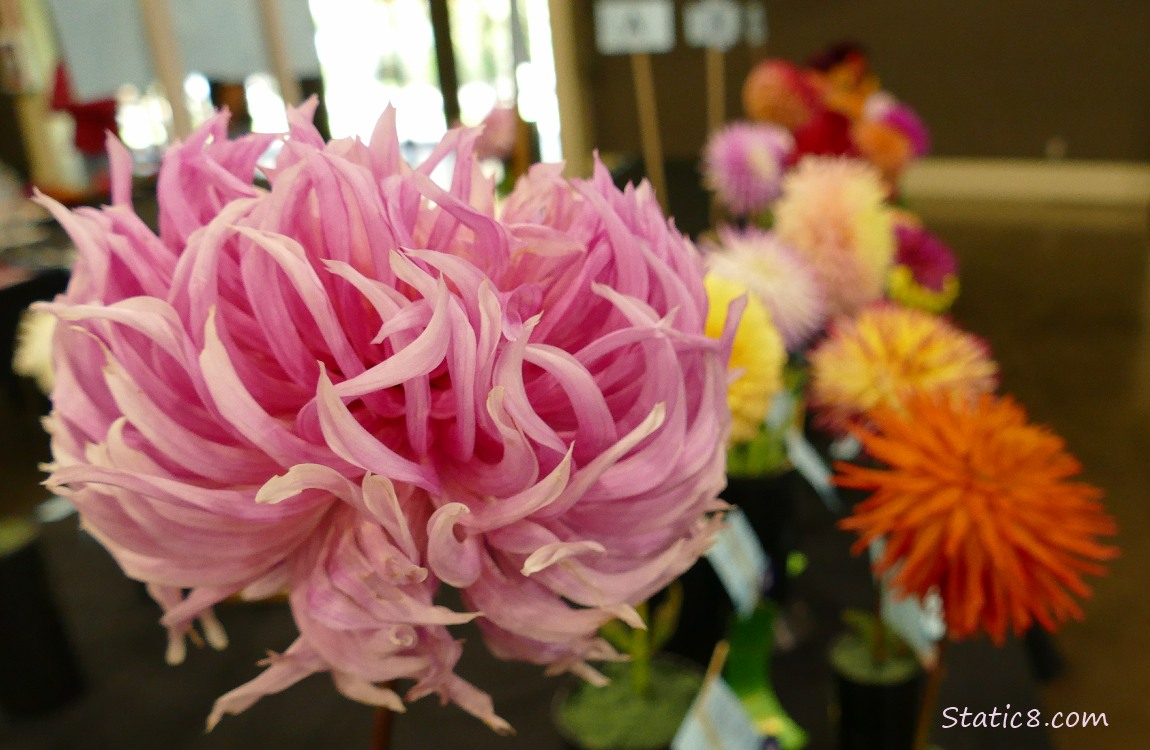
x=782, y=410
x=716, y=24
x=807, y=462
x=919, y=622
x=739, y=560
x=755, y=23
x=625, y=27
x=717, y=721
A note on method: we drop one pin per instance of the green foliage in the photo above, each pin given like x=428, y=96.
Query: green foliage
x=872, y=653
x=618, y=635
x=615, y=717
x=870, y=628
x=641, y=644
x=766, y=454
x=15, y=533
x=765, y=219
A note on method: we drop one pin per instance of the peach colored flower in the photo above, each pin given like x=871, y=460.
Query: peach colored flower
x=832, y=212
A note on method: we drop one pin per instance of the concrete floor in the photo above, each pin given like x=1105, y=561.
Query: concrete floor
x=1062, y=296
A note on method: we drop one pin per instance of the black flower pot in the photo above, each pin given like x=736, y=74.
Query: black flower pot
x=770, y=504
x=703, y=620
x=877, y=710
x=38, y=669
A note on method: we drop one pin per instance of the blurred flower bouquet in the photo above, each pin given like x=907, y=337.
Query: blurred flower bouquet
x=853, y=288
x=835, y=106
x=971, y=505
x=355, y=386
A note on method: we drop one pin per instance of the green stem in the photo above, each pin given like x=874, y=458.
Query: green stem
x=930, y=699
x=878, y=650
x=641, y=656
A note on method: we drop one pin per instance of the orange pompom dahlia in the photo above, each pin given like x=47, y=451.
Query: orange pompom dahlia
x=977, y=502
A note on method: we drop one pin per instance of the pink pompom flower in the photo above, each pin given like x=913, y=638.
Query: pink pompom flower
x=354, y=386
x=777, y=275
x=744, y=163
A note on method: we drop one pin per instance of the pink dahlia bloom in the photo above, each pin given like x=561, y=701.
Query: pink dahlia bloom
x=744, y=163
x=777, y=275
x=354, y=385
x=499, y=131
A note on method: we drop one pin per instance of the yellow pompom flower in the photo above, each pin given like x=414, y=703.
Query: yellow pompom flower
x=757, y=356
x=889, y=353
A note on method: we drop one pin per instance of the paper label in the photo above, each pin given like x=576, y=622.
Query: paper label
x=717, y=721
x=712, y=23
x=755, y=23
x=919, y=622
x=807, y=462
x=845, y=448
x=740, y=562
x=624, y=27
x=782, y=410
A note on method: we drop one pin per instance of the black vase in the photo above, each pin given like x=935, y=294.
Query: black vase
x=876, y=715
x=770, y=506
x=703, y=619
x=39, y=671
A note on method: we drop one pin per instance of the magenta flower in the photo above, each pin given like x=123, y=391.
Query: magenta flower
x=355, y=385
x=930, y=259
x=885, y=108
x=744, y=163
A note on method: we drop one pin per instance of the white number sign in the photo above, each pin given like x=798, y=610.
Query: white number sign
x=756, y=23
x=713, y=23
x=626, y=27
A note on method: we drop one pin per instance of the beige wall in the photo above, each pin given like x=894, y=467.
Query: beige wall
x=992, y=78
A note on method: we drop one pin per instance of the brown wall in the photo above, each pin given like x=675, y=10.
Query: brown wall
x=992, y=78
